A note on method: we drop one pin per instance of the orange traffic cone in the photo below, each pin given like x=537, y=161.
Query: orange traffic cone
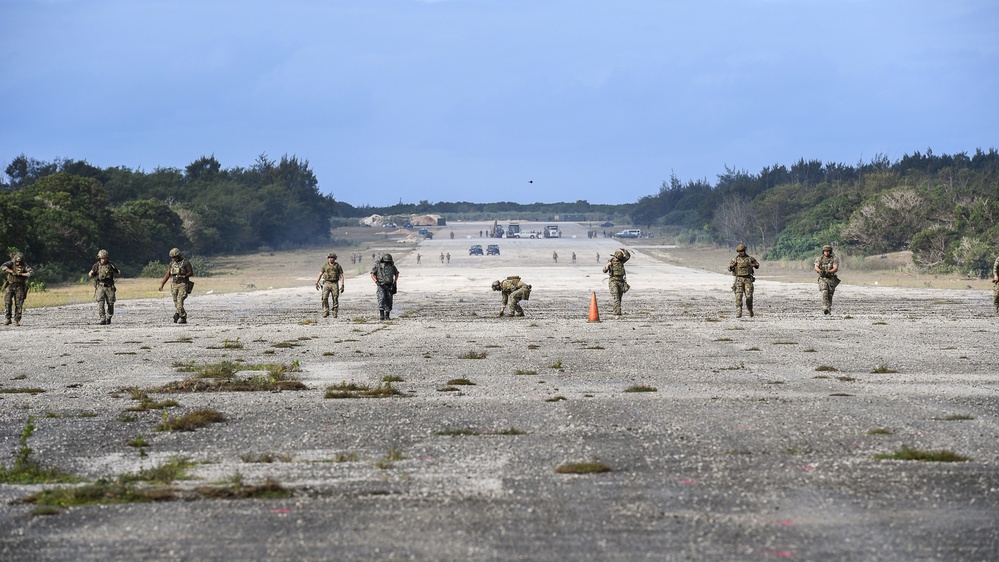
x=594, y=313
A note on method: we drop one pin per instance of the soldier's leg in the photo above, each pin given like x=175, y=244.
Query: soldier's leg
x=380, y=294
x=615, y=290
x=748, y=289
x=326, y=299
x=179, y=291
x=739, y=290
x=8, y=304
x=111, y=297
x=995, y=296
x=19, y=295
x=335, y=296
x=388, y=303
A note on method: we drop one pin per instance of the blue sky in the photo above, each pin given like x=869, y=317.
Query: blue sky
x=469, y=100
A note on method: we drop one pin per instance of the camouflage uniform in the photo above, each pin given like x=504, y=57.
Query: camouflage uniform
x=179, y=272
x=826, y=267
x=618, y=278
x=104, y=273
x=386, y=278
x=995, y=285
x=17, y=288
x=331, y=275
x=742, y=267
x=513, y=290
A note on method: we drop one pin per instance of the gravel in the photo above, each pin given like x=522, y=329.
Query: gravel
x=745, y=451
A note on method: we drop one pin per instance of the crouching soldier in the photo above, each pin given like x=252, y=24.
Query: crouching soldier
x=742, y=267
x=513, y=290
x=104, y=273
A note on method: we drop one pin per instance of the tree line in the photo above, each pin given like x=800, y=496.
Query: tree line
x=942, y=207
x=945, y=208
x=60, y=213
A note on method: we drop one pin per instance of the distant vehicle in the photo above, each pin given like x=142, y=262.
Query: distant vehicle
x=492, y=250
x=552, y=231
x=629, y=233
x=607, y=224
x=475, y=250
x=407, y=225
x=389, y=225
x=513, y=231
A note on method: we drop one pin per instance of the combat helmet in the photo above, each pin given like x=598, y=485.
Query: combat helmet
x=497, y=285
x=619, y=254
x=827, y=247
x=331, y=255
x=103, y=254
x=740, y=248
x=18, y=256
x=175, y=252
x=386, y=258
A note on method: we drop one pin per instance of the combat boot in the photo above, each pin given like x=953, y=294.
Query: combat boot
x=6, y=322
x=17, y=322
x=749, y=307
x=176, y=317
x=387, y=317
x=334, y=313
x=738, y=312
x=381, y=315
x=103, y=322
x=183, y=320
x=326, y=313
x=751, y=313
x=109, y=321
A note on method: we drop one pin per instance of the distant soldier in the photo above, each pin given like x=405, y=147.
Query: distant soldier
x=330, y=276
x=555, y=256
x=442, y=258
x=386, y=278
x=618, y=281
x=18, y=273
x=104, y=273
x=513, y=290
x=418, y=256
x=598, y=257
x=574, y=257
x=995, y=285
x=179, y=272
x=826, y=266
x=449, y=257
x=742, y=267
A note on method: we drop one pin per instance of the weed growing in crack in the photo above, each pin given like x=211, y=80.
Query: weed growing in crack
x=641, y=388
x=25, y=470
x=191, y=421
x=583, y=468
x=473, y=355
x=907, y=454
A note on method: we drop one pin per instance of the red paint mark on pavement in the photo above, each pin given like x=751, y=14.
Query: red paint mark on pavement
x=281, y=510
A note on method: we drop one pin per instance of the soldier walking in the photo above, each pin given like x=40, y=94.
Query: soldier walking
x=618, y=282
x=386, y=278
x=104, y=273
x=18, y=273
x=826, y=266
x=742, y=267
x=555, y=256
x=513, y=291
x=330, y=276
x=179, y=272
x=995, y=285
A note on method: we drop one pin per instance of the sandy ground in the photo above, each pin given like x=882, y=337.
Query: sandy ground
x=757, y=444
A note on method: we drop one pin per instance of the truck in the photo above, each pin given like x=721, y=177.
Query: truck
x=552, y=231
x=513, y=230
x=629, y=233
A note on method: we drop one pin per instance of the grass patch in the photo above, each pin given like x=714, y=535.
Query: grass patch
x=265, y=458
x=393, y=378
x=353, y=390
x=139, y=441
x=524, y=372
x=222, y=377
x=456, y=432
x=533, y=346
x=723, y=339
x=228, y=344
x=191, y=420
x=556, y=365
x=473, y=355
x=845, y=378
x=840, y=394
x=346, y=457
x=25, y=470
x=907, y=454
x=146, y=403
x=583, y=468
x=558, y=398
x=826, y=368
x=785, y=343
x=461, y=382
x=22, y=390
x=641, y=388
x=594, y=347
x=879, y=431
x=393, y=455
x=883, y=368
x=955, y=417
x=752, y=349
x=237, y=490
x=448, y=389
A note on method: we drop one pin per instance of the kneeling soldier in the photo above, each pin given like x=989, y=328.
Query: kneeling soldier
x=514, y=290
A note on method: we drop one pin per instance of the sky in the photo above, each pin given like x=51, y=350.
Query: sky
x=497, y=100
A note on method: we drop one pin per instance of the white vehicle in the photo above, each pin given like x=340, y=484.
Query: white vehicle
x=552, y=231
x=629, y=233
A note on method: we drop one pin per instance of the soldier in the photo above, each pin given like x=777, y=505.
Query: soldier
x=826, y=266
x=418, y=256
x=442, y=258
x=449, y=257
x=18, y=273
x=995, y=285
x=514, y=290
x=618, y=278
x=742, y=267
x=329, y=276
x=386, y=278
x=555, y=256
x=180, y=271
x=574, y=257
x=104, y=273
